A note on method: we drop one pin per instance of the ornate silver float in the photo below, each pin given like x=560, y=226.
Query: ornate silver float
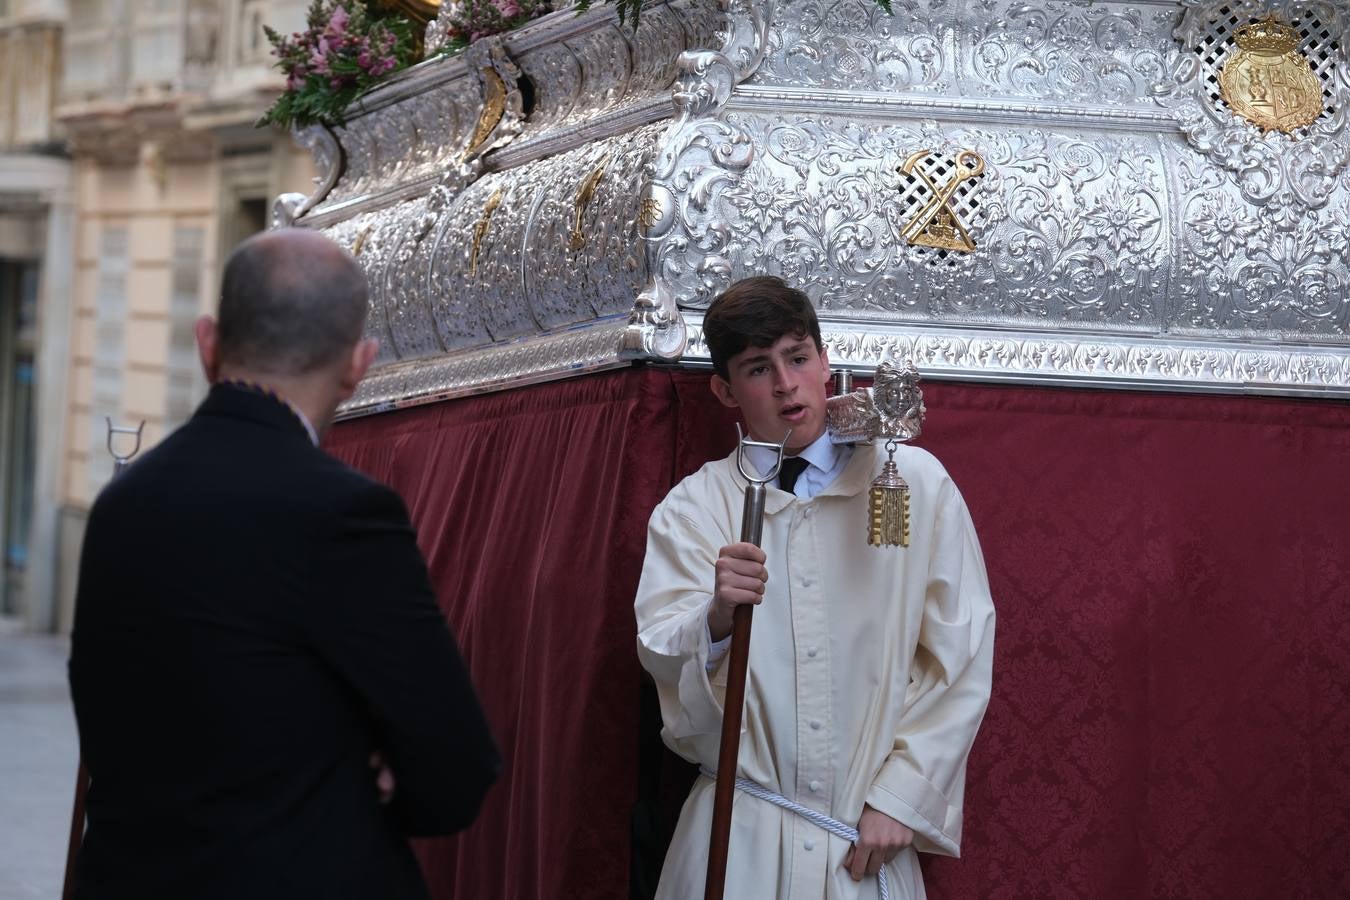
x=1124, y=194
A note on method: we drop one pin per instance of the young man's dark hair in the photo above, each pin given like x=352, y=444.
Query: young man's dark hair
x=755, y=312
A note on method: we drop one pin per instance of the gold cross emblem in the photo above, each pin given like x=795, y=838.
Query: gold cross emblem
x=937, y=223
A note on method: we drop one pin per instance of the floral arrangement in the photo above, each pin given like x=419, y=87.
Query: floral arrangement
x=349, y=45
x=465, y=21
x=346, y=48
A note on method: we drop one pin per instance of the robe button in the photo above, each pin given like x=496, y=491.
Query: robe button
x=810, y=845
x=811, y=652
x=815, y=724
x=806, y=582
x=814, y=786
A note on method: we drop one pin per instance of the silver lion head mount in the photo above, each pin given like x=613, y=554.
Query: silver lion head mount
x=891, y=408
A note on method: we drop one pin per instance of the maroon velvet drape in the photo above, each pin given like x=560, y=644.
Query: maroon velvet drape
x=1171, y=710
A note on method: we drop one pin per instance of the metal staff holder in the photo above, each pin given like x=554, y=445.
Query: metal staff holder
x=120, y=463
x=733, y=704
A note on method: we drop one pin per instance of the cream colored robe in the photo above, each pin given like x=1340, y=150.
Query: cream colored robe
x=869, y=674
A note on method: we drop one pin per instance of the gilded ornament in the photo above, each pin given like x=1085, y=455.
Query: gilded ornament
x=359, y=244
x=937, y=223
x=577, y=239
x=480, y=230
x=494, y=107
x=649, y=213
x=1268, y=81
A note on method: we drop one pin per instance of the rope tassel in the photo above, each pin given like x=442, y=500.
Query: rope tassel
x=888, y=509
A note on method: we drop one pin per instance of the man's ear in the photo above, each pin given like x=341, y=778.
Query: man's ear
x=721, y=389
x=208, y=347
x=825, y=364
x=363, y=354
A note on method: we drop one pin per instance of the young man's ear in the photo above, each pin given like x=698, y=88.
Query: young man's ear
x=825, y=364
x=208, y=347
x=721, y=389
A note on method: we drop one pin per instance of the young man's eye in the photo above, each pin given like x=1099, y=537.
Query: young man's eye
x=758, y=370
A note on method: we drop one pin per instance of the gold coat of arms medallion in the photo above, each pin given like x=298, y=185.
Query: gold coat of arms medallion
x=1268, y=81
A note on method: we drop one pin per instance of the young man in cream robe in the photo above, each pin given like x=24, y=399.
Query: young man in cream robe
x=869, y=667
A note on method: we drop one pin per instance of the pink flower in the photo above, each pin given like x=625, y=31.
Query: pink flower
x=508, y=8
x=337, y=24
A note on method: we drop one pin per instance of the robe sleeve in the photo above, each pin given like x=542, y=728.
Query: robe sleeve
x=671, y=608
x=922, y=782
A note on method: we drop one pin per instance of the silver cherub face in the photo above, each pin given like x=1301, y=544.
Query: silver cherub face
x=891, y=408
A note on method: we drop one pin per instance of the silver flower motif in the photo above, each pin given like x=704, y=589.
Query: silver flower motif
x=1223, y=227
x=762, y=199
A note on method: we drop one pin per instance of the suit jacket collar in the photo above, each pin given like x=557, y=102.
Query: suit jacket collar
x=236, y=402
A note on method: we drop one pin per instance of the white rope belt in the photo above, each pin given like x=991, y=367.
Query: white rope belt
x=833, y=826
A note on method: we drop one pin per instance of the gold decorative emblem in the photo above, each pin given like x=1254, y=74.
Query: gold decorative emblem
x=577, y=239
x=480, y=230
x=494, y=107
x=937, y=223
x=649, y=213
x=1268, y=81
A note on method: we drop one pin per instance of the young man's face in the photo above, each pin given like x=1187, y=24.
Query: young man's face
x=777, y=388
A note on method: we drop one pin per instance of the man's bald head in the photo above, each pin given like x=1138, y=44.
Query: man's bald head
x=291, y=302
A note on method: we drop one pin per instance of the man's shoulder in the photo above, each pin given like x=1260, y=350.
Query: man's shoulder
x=713, y=478
x=227, y=462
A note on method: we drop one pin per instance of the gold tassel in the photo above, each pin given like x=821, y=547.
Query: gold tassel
x=889, y=507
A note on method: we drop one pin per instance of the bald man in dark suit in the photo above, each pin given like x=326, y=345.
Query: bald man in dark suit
x=269, y=700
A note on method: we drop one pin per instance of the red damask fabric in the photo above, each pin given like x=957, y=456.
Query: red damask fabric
x=1171, y=709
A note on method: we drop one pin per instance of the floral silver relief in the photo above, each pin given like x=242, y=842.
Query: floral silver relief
x=686, y=248
x=496, y=284
x=1277, y=269
x=555, y=74
x=1128, y=228
x=457, y=315
x=1069, y=226
x=614, y=261
x=855, y=44
x=407, y=305
x=701, y=20
x=553, y=288
x=746, y=34
x=657, y=46
x=366, y=235
x=1100, y=53
x=606, y=66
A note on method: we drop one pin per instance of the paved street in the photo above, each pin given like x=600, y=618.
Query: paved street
x=38, y=756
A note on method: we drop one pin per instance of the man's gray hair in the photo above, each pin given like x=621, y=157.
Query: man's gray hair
x=291, y=302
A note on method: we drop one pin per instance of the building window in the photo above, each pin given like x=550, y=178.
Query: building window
x=18, y=326
x=110, y=303
x=185, y=383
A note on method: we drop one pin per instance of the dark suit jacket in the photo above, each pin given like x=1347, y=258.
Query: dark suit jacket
x=253, y=620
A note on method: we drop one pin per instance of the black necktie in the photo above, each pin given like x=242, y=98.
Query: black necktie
x=788, y=472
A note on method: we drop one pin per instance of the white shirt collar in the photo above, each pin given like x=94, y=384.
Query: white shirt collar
x=821, y=453
x=304, y=420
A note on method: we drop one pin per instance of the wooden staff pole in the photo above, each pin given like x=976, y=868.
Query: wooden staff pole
x=120, y=462
x=733, y=703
